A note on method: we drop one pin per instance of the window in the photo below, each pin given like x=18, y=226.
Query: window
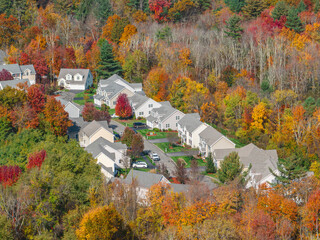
x=176, y=124
x=177, y=117
x=149, y=112
x=140, y=113
x=114, y=102
x=150, y=105
x=167, y=125
x=78, y=78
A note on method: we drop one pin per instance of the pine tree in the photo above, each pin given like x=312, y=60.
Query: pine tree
x=293, y=21
x=253, y=8
x=210, y=168
x=230, y=168
x=290, y=169
x=139, y=5
x=107, y=65
x=234, y=29
x=235, y=5
x=103, y=10
x=281, y=9
x=316, y=6
x=301, y=7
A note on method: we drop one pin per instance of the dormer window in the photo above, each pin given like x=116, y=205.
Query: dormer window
x=78, y=77
x=68, y=77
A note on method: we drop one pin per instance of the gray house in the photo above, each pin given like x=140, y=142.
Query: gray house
x=75, y=79
x=74, y=110
x=24, y=73
x=164, y=117
x=142, y=105
x=261, y=160
x=109, y=90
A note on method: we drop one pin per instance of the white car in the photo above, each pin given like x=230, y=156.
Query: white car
x=155, y=157
x=139, y=165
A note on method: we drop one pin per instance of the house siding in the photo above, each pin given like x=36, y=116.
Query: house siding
x=72, y=110
x=172, y=121
x=146, y=109
x=102, y=133
x=223, y=143
x=196, y=137
x=114, y=99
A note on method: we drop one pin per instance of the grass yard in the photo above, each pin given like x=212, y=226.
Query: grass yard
x=166, y=147
x=82, y=101
x=188, y=159
x=129, y=123
x=81, y=94
x=158, y=135
x=111, y=111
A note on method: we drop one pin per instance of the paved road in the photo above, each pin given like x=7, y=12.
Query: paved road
x=150, y=165
x=148, y=146
x=184, y=153
x=159, y=140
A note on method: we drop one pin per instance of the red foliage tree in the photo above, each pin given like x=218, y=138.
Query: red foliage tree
x=9, y=174
x=24, y=59
x=160, y=9
x=36, y=159
x=90, y=113
x=40, y=65
x=36, y=97
x=56, y=117
x=123, y=108
x=137, y=145
x=24, y=117
x=70, y=58
x=5, y=75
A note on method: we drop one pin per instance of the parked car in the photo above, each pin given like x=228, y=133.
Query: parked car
x=155, y=157
x=117, y=136
x=139, y=125
x=139, y=165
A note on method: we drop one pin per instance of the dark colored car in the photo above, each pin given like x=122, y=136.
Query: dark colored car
x=117, y=136
x=139, y=125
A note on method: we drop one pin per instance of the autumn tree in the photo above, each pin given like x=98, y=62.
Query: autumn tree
x=155, y=85
x=36, y=97
x=9, y=28
x=90, y=113
x=127, y=136
x=123, y=108
x=24, y=117
x=280, y=9
x=107, y=65
x=162, y=169
x=118, y=29
x=136, y=66
x=160, y=9
x=103, y=223
x=36, y=159
x=56, y=117
x=9, y=175
x=253, y=8
x=233, y=28
x=180, y=171
x=230, y=168
x=209, y=113
x=5, y=75
x=137, y=145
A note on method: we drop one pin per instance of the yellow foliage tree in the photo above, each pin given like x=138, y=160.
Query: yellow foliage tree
x=260, y=116
x=107, y=29
x=128, y=31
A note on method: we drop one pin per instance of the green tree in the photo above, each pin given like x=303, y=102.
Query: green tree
x=230, y=168
x=84, y=9
x=103, y=10
x=294, y=21
x=316, y=6
x=235, y=5
x=139, y=5
x=281, y=9
x=301, y=7
x=234, y=28
x=210, y=168
x=118, y=29
x=164, y=34
x=203, y=5
x=253, y=8
x=290, y=168
x=136, y=66
x=5, y=6
x=108, y=65
x=5, y=128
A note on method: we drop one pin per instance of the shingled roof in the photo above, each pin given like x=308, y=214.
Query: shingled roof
x=90, y=128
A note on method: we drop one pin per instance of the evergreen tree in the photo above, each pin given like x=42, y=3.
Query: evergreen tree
x=83, y=9
x=316, y=6
x=230, y=168
x=290, y=169
x=210, y=168
x=235, y=5
x=203, y=5
x=5, y=6
x=234, y=29
x=103, y=10
x=142, y=5
x=253, y=8
x=293, y=21
x=281, y=9
x=301, y=7
x=107, y=65
x=118, y=29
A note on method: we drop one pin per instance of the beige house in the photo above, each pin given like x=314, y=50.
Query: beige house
x=94, y=130
x=211, y=139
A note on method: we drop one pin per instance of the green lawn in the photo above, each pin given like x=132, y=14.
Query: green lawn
x=81, y=94
x=188, y=159
x=158, y=135
x=165, y=147
x=82, y=102
x=111, y=111
x=129, y=123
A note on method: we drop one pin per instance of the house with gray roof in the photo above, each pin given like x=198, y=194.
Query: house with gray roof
x=111, y=156
x=211, y=139
x=73, y=109
x=91, y=131
x=75, y=79
x=20, y=74
x=260, y=160
x=109, y=90
x=189, y=128
x=142, y=105
x=164, y=117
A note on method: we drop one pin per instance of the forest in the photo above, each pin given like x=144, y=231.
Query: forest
x=250, y=68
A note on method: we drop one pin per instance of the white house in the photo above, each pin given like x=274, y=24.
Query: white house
x=109, y=90
x=20, y=74
x=260, y=160
x=75, y=79
x=93, y=131
x=211, y=139
x=74, y=110
x=110, y=156
x=142, y=105
x=189, y=128
x=164, y=117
